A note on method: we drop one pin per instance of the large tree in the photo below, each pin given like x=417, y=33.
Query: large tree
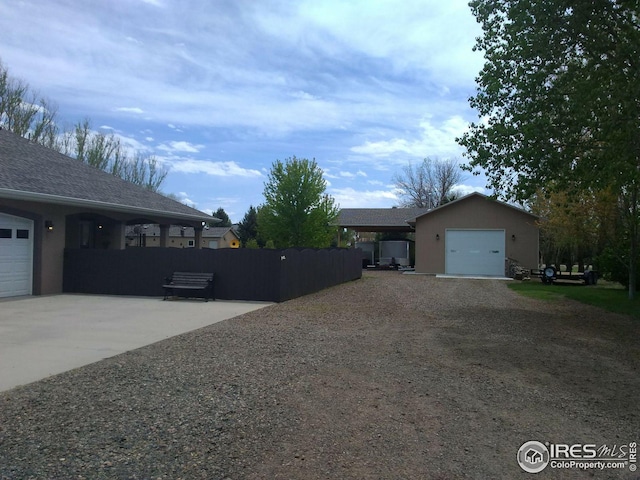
x=248, y=226
x=225, y=221
x=429, y=184
x=559, y=99
x=297, y=211
x=24, y=112
x=106, y=152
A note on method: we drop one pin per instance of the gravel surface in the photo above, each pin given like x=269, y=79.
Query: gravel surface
x=388, y=377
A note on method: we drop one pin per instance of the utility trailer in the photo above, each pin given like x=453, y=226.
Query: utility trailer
x=550, y=274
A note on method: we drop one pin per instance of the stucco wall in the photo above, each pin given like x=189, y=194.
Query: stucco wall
x=480, y=213
x=48, y=246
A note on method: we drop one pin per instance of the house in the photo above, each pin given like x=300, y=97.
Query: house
x=182, y=237
x=473, y=235
x=50, y=202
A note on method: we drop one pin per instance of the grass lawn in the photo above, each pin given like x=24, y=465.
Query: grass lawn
x=610, y=297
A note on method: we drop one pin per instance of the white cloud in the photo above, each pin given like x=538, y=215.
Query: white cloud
x=129, y=109
x=218, y=169
x=181, y=146
x=351, y=198
x=183, y=197
x=434, y=140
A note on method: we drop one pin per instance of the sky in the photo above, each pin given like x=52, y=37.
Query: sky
x=219, y=90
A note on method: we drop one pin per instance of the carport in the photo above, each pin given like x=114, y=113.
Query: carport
x=377, y=220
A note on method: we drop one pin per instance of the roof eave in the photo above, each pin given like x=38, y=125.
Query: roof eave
x=83, y=203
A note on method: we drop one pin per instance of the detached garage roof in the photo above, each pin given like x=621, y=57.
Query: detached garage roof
x=29, y=171
x=378, y=219
x=465, y=198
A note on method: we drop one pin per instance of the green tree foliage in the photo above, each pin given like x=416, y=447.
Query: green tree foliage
x=248, y=227
x=222, y=215
x=559, y=98
x=252, y=243
x=575, y=228
x=297, y=211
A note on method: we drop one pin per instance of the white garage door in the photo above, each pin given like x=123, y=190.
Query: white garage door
x=474, y=252
x=16, y=255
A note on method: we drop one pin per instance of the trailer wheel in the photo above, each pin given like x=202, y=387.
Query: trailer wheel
x=549, y=273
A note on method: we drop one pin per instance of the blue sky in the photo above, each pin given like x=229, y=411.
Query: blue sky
x=220, y=90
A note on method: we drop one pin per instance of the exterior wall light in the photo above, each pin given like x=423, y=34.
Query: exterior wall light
x=48, y=225
x=437, y=236
x=513, y=237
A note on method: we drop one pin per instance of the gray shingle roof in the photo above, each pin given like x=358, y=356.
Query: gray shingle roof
x=378, y=218
x=31, y=171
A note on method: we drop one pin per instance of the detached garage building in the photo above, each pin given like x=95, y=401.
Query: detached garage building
x=475, y=235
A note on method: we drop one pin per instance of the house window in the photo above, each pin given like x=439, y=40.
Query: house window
x=191, y=243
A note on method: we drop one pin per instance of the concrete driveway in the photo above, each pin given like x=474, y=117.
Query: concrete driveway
x=43, y=336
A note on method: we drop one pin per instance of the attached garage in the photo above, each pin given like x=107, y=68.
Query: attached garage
x=16, y=256
x=474, y=252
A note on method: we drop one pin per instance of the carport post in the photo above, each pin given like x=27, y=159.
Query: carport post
x=164, y=235
x=198, y=237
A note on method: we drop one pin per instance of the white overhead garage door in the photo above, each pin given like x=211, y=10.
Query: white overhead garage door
x=475, y=252
x=16, y=255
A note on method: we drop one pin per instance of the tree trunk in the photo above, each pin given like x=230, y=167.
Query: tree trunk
x=633, y=247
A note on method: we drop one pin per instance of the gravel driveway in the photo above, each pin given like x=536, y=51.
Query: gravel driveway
x=388, y=377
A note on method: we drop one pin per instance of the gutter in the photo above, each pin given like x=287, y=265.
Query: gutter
x=83, y=203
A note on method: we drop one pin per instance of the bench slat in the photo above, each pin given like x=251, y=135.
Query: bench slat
x=185, y=281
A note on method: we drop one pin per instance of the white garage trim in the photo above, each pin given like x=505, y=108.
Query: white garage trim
x=474, y=252
x=16, y=256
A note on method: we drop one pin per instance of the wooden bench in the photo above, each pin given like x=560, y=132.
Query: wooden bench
x=189, y=284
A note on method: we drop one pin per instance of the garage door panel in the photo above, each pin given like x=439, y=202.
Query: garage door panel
x=475, y=252
x=16, y=255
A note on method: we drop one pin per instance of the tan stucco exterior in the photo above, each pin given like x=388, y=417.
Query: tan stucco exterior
x=475, y=212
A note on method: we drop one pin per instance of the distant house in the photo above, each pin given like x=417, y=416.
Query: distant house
x=473, y=235
x=50, y=202
x=182, y=237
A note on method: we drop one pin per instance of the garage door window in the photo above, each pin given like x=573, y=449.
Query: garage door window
x=5, y=233
x=22, y=234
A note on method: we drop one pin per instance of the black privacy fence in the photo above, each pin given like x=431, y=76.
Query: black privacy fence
x=240, y=274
